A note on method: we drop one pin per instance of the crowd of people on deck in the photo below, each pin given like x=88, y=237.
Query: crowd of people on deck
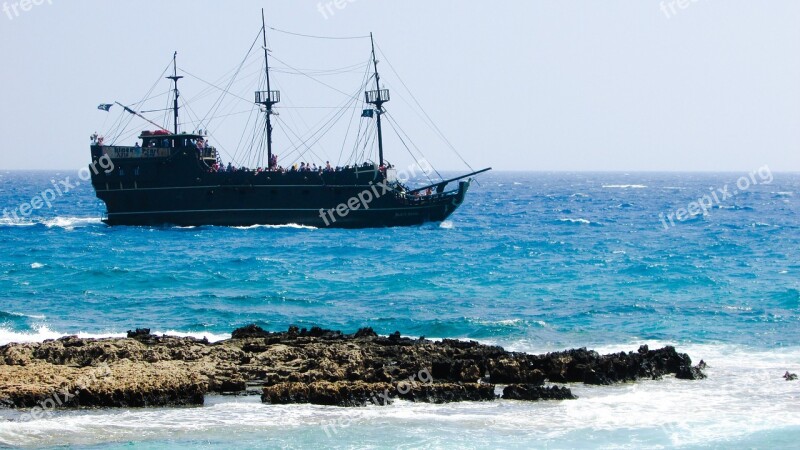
x=301, y=167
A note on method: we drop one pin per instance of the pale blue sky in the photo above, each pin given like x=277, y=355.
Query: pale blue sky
x=526, y=85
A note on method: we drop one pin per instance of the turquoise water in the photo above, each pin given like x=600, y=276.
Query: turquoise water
x=532, y=261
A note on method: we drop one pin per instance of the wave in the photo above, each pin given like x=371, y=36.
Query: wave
x=289, y=225
x=4, y=222
x=624, y=186
x=734, y=207
x=71, y=222
x=53, y=222
x=580, y=221
x=16, y=315
x=43, y=332
x=583, y=221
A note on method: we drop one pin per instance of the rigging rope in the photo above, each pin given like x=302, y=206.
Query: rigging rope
x=312, y=78
x=318, y=37
x=430, y=121
x=392, y=124
x=130, y=119
x=364, y=80
x=218, y=103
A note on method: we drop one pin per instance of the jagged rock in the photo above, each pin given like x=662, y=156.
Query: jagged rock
x=365, y=333
x=139, y=332
x=533, y=392
x=172, y=370
x=446, y=392
x=690, y=373
x=359, y=393
x=123, y=385
x=337, y=393
x=250, y=331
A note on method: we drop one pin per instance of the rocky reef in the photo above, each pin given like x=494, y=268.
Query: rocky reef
x=306, y=366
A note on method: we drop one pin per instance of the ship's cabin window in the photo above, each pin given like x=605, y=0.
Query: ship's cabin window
x=164, y=141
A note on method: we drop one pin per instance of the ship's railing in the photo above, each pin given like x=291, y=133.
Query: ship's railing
x=424, y=199
x=377, y=96
x=265, y=97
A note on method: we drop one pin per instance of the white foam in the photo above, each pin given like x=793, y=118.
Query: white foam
x=71, y=222
x=447, y=225
x=43, y=332
x=581, y=221
x=61, y=222
x=288, y=225
x=37, y=265
x=15, y=223
x=211, y=337
x=624, y=186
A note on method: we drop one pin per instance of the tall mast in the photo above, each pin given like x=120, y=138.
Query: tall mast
x=269, y=97
x=175, y=77
x=377, y=97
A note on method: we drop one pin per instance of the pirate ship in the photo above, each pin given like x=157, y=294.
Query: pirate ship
x=176, y=177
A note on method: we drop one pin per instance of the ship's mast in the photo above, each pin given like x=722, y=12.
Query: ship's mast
x=269, y=97
x=377, y=97
x=175, y=77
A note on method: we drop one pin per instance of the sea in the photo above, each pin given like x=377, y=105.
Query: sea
x=534, y=262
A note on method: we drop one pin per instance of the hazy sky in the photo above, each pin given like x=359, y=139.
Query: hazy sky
x=529, y=85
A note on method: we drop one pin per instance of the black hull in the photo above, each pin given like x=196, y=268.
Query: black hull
x=182, y=191
x=372, y=218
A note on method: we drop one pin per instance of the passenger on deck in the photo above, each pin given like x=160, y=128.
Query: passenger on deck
x=328, y=166
x=93, y=137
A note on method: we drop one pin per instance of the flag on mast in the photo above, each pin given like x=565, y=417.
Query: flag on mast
x=105, y=106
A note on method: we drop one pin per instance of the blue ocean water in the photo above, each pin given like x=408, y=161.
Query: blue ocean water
x=532, y=261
